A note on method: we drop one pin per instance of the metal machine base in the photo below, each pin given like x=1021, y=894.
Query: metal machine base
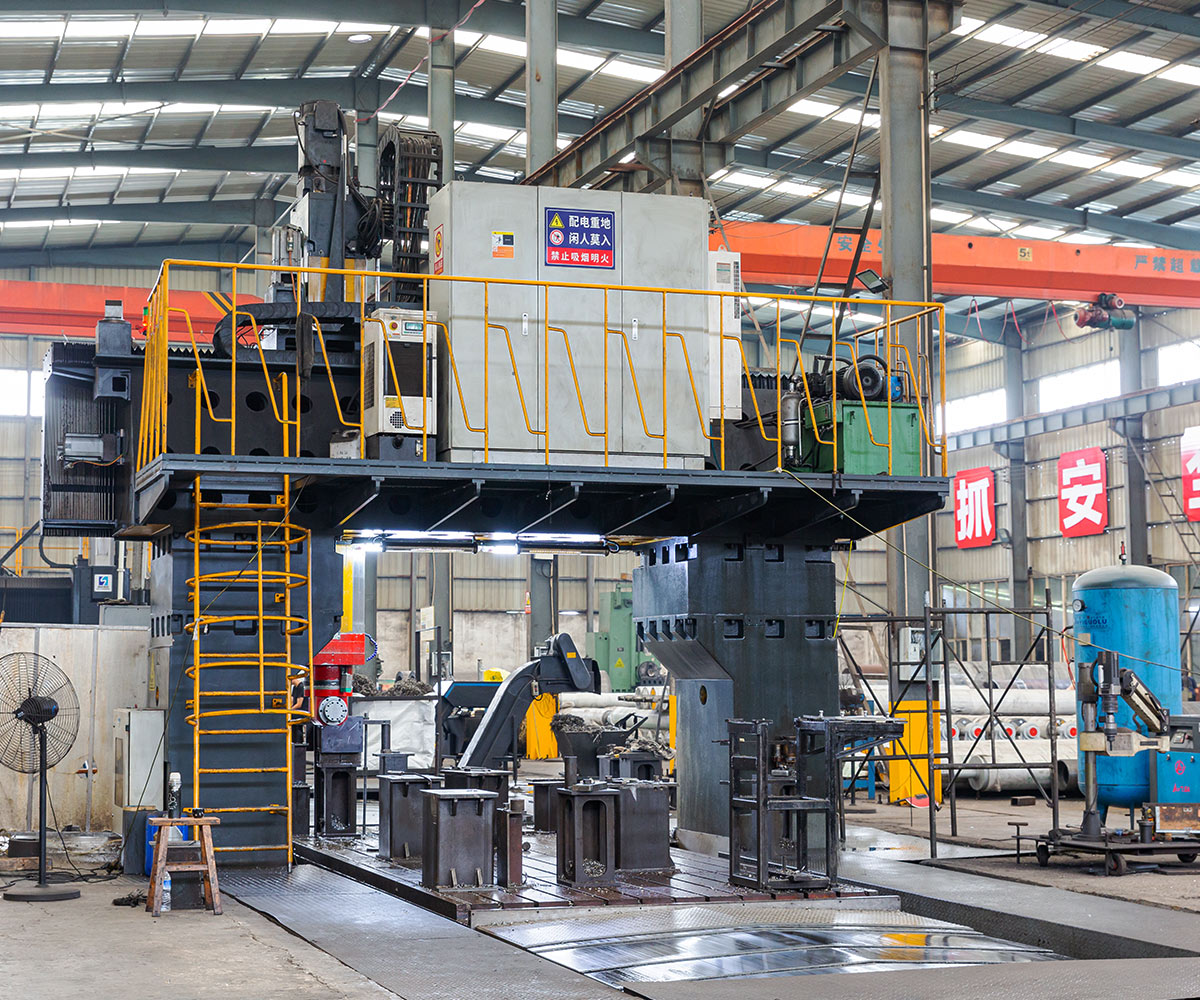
x=1118, y=850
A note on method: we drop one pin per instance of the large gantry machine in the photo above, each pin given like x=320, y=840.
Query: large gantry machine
x=558, y=361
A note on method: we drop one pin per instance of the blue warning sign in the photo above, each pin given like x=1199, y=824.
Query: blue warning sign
x=579, y=238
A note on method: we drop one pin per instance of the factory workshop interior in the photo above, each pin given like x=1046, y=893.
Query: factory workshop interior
x=582, y=498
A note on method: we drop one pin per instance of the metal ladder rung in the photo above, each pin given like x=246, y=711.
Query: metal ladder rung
x=250, y=693
x=237, y=732
x=247, y=809
x=242, y=770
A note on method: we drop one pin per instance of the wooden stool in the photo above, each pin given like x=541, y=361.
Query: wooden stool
x=207, y=865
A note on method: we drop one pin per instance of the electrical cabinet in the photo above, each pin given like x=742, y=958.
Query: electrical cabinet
x=400, y=372
x=724, y=320
x=574, y=375
x=138, y=758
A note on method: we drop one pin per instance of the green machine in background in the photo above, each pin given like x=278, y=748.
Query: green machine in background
x=867, y=398
x=857, y=422
x=614, y=646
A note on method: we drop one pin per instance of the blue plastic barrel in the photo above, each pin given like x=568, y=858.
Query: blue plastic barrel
x=1134, y=611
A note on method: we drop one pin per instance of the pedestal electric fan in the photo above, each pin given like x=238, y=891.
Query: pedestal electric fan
x=39, y=720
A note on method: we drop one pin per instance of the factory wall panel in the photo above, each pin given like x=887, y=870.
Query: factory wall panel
x=395, y=644
x=992, y=562
x=127, y=277
x=489, y=639
x=973, y=367
x=109, y=669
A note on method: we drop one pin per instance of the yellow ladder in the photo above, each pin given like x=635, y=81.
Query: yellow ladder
x=275, y=578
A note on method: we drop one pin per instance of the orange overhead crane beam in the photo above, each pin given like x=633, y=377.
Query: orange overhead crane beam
x=776, y=253
x=49, y=309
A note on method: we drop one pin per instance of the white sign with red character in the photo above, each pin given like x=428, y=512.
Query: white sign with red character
x=974, y=494
x=1082, y=492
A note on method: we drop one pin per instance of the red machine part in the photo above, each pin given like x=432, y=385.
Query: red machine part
x=333, y=677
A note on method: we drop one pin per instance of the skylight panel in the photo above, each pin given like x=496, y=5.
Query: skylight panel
x=989, y=225
x=632, y=71
x=1180, y=178
x=299, y=26
x=1186, y=74
x=743, y=179
x=1028, y=150
x=967, y=25
x=12, y=112
x=105, y=28
x=183, y=108
x=83, y=109
x=32, y=29
x=1131, y=62
x=505, y=46
x=816, y=109
x=799, y=190
x=492, y=132
x=1127, y=168
x=1038, y=232
x=948, y=215
x=1084, y=239
x=169, y=27
x=1074, y=158
x=1068, y=48
x=851, y=116
x=976, y=140
x=850, y=198
x=1014, y=38
x=578, y=60
x=46, y=172
x=238, y=26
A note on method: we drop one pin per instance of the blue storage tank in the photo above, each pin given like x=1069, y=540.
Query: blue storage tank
x=1134, y=611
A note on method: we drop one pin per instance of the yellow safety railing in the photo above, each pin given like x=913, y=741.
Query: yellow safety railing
x=18, y=564
x=657, y=381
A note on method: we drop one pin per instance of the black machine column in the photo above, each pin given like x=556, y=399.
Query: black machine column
x=746, y=631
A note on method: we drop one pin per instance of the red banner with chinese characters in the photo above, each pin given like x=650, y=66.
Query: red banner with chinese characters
x=974, y=495
x=1189, y=454
x=1082, y=492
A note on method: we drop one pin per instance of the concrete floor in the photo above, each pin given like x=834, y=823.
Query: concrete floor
x=983, y=823
x=88, y=948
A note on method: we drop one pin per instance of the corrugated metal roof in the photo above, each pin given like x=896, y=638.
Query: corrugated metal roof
x=1061, y=61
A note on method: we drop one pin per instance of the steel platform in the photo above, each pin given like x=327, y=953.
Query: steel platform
x=697, y=878
x=367, y=494
x=705, y=943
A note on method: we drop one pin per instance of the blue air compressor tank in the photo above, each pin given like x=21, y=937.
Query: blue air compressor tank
x=1134, y=611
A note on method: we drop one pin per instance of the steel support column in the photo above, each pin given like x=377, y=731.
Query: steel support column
x=442, y=590
x=1018, y=496
x=441, y=94
x=1137, y=529
x=541, y=82
x=684, y=33
x=904, y=163
x=370, y=603
x=543, y=599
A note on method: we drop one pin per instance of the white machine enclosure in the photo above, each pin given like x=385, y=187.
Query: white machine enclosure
x=398, y=333
x=138, y=758
x=724, y=320
x=578, y=341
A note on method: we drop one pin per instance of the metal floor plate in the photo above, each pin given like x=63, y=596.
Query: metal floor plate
x=706, y=943
x=406, y=949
